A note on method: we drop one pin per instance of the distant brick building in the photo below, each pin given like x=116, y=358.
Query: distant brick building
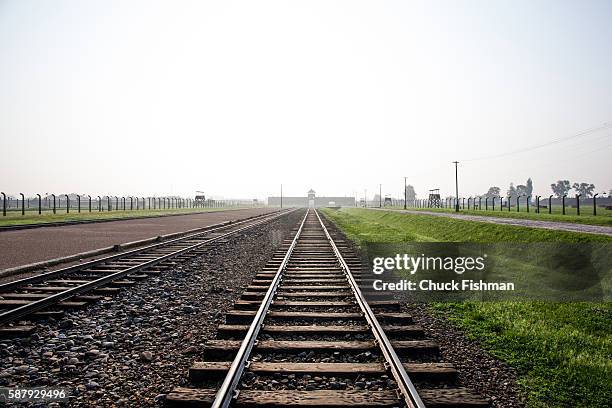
x=311, y=200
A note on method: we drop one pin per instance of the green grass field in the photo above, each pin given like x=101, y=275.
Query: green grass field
x=562, y=351
x=15, y=218
x=391, y=226
x=603, y=217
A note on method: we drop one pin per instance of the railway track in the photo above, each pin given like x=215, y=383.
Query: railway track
x=304, y=335
x=50, y=294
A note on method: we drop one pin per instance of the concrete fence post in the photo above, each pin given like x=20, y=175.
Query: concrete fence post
x=550, y=204
x=563, y=202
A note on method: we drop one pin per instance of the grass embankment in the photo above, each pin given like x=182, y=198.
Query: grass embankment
x=390, y=226
x=562, y=351
x=14, y=218
x=603, y=217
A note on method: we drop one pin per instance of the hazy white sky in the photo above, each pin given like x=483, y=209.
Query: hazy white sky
x=234, y=98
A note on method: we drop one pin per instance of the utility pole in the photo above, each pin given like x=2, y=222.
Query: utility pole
x=405, y=194
x=456, y=187
x=281, y=196
x=380, y=196
x=365, y=198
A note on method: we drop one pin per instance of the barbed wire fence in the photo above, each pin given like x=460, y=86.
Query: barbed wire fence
x=77, y=203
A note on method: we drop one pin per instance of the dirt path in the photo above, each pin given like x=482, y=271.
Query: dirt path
x=21, y=247
x=553, y=225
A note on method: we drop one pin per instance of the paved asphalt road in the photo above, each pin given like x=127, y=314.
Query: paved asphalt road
x=553, y=225
x=22, y=247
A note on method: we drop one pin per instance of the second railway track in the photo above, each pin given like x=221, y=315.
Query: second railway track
x=304, y=335
x=49, y=294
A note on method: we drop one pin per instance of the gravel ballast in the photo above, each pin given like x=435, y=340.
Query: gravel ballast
x=133, y=348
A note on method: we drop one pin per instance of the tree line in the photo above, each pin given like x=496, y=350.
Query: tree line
x=559, y=189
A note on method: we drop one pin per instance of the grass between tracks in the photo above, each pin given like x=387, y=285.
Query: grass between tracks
x=30, y=217
x=603, y=217
x=562, y=351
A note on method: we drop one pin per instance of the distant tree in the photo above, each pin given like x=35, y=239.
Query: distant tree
x=493, y=192
x=511, y=190
x=584, y=189
x=521, y=190
x=410, y=193
x=529, y=187
x=561, y=187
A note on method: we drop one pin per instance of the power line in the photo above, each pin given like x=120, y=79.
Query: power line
x=579, y=154
x=604, y=126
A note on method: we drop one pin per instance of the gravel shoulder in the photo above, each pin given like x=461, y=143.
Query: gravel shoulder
x=478, y=370
x=133, y=348
x=559, y=226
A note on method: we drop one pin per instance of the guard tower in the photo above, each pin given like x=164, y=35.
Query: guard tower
x=434, y=198
x=200, y=199
x=311, y=198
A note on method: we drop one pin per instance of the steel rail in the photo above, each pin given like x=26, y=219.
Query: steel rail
x=38, y=305
x=406, y=387
x=226, y=392
x=75, y=268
